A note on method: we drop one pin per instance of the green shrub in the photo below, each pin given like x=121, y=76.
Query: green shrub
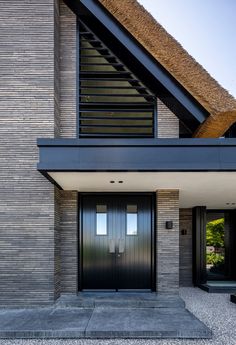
x=215, y=233
x=214, y=259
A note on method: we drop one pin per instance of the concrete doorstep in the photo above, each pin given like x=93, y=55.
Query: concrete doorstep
x=102, y=321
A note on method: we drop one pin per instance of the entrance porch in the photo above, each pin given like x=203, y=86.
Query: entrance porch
x=105, y=315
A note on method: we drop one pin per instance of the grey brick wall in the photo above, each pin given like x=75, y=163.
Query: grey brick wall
x=28, y=109
x=167, y=122
x=67, y=72
x=38, y=237
x=167, y=242
x=68, y=201
x=185, y=247
x=69, y=241
x=57, y=244
x=56, y=68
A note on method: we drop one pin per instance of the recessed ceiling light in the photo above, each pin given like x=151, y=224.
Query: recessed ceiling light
x=112, y=181
x=120, y=181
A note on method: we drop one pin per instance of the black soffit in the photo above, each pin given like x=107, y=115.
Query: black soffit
x=136, y=58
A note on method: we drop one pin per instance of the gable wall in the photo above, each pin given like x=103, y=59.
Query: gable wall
x=167, y=122
x=39, y=101
x=67, y=72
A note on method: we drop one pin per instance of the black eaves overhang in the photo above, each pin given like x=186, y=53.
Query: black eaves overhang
x=136, y=155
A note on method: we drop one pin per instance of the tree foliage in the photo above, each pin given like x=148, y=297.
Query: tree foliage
x=215, y=233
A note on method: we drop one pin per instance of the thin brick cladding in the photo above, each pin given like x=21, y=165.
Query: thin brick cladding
x=68, y=199
x=69, y=241
x=67, y=72
x=167, y=122
x=29, y=107
x=167, y=255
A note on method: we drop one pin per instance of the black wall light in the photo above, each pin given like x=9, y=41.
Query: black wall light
x=169, y=224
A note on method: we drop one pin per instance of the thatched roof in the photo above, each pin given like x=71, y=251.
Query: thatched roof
x=171, y=55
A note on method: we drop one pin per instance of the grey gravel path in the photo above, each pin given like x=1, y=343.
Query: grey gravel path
x=215, y=310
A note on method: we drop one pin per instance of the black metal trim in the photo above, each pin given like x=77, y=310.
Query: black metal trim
x=80, y=242
x=199, y=245
x=175, y=142
x=154, y=242
x=137, y=155
x=50, y=179
x=155, y=120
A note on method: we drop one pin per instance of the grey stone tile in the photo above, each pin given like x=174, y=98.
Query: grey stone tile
x=44, y=323
x=145, y=322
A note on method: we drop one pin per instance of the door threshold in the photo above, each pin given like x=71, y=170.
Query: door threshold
x=117, y=291
x=135, y=290
x=98, y=290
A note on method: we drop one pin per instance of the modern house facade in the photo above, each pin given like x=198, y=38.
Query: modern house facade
x=117, y=159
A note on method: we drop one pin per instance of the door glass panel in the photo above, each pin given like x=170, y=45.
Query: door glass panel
x=101, y=219
x=215, y=245
x=132, y=220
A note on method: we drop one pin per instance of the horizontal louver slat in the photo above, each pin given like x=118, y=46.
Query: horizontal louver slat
x=113, y=102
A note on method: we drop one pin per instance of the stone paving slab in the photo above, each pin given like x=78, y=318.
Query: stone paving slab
x=44, y=323
x=120, y=300
x=101, y=323
x=145, y=322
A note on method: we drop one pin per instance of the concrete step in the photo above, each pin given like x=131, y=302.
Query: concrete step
x=101, y=323
x=218, y=289
x=119, y=300
x=233, y=298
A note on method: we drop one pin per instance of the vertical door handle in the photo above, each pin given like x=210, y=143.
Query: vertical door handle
x=112, y=246
x=121, y=248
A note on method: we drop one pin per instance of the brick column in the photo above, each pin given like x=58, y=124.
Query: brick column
x=69, y=241
x=167, y=249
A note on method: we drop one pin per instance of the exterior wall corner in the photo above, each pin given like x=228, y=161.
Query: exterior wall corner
x=167, y=248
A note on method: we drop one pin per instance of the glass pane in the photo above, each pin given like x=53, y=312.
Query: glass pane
x=101, y=220
x=131, y=208
x=101, y=208
x=215, y=246
x=132, y=220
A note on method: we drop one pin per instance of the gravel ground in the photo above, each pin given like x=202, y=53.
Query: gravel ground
x=215, y=310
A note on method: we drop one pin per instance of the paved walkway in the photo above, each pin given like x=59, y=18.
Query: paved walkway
x=215, y=310
x=96, y=316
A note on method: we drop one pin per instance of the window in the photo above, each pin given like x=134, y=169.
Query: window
x=101, y=220
x=131, y=220
x=113, y=102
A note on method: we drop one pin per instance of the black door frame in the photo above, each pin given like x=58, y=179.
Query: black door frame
x=153, y=232
x=199, y=243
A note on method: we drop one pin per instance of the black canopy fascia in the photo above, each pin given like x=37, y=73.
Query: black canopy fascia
x=150, y=155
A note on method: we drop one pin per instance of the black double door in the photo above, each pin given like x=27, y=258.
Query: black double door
x=116, y=242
